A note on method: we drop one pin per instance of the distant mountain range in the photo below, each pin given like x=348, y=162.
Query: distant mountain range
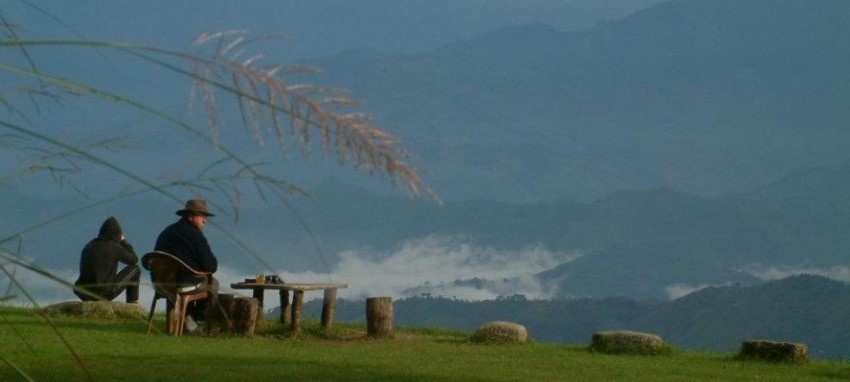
x=807, y=309
x=638, y=274
x=705, y=97
x=775, y=224
x=318, y=27
x=641, y=244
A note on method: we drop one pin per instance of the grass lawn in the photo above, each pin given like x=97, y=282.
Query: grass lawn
x=116, y=350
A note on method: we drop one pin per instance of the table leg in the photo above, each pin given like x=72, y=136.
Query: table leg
x=297, y=305
x=258, y=294
x=285, y=313
x=328, y=308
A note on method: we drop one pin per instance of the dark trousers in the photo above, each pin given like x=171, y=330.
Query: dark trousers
x=126, y=279
x=198, y=309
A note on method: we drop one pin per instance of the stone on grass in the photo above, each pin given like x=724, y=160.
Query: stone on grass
x=500, y=332
x=628, y=342
x=97, y=309
x=774, y=351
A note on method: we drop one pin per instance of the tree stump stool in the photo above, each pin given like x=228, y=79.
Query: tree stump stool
x=220, y=315
x=379, y=316
x=628, y=342
x=774, y=351
x=234, y=315
x=500, y=332
x=245, y=316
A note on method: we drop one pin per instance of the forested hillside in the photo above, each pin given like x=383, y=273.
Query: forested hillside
x=704, y=97
x=808, y=309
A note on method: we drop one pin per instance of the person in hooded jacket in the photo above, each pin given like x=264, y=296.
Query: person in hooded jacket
x=99, y=276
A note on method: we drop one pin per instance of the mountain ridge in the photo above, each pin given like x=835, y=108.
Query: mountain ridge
x=642, y=102
x=804, y=308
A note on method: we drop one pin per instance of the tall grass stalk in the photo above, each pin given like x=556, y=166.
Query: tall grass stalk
x=266, y=101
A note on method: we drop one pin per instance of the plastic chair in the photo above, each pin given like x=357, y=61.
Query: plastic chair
x=164, y=268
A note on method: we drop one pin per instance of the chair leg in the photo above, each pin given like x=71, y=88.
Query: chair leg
x=150, y=315
x=181, y=315
x=170, y=320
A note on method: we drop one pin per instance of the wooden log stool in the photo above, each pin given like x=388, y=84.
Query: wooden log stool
x=379, y=316
x=774, y=351
x=245, y=314
x=220, y=315
x=234, y=315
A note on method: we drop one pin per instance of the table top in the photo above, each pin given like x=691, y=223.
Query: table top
x=289, y=286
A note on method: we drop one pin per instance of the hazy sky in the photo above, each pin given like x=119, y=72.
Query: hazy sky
x=315, y=27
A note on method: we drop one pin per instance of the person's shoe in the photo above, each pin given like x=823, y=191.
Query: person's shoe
x=191, y=326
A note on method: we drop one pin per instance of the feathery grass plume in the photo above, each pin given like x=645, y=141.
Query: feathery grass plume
x=266, y=96
x=268, y=103
x=306, y=107
x=387, y=153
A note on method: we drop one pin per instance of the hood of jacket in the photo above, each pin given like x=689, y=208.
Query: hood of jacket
x=110, y=230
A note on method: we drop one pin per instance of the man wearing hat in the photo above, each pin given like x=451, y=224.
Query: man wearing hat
x=185, y=240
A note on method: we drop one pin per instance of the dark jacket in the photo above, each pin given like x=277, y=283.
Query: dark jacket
x=188, y=243
x=99, y=260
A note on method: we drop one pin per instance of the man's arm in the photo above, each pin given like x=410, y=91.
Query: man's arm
x=204, y=256
x=126, y=254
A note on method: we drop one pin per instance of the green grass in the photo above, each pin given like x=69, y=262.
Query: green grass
x=119, y=350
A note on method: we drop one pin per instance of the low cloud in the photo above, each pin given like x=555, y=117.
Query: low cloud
x=433, y=261
x=436, y=262
x=681, y=290
x=478, y=289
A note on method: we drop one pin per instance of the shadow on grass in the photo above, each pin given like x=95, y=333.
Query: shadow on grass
x=106, y=325
x=330, y=367
x=344, y=332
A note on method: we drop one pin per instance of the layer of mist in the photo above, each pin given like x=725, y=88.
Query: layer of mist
x=431, y=266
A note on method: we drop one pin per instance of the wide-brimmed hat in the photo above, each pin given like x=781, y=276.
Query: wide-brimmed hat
x=195, y=206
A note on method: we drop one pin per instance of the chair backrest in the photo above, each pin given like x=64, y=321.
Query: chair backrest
x=164, y=268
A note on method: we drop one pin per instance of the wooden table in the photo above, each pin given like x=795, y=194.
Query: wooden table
x=291, y=313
